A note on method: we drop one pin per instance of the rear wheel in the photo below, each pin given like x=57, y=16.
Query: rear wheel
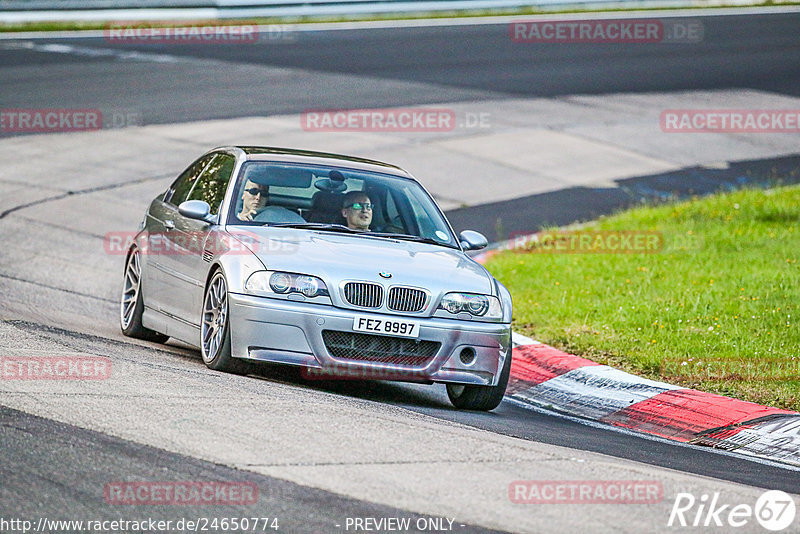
x=480, y=398
x=132, y=302
x=215, y=330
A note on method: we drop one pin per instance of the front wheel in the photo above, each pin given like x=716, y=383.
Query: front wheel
x=480, y=398
x=215, y=330
x=132, y=302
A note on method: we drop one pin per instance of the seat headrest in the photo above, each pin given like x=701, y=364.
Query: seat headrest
x=327, y=201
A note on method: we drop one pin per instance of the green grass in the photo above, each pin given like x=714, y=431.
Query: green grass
x=46, y=26
x=718, y=309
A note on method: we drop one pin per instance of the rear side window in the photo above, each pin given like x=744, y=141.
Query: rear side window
x=213, y=182
x=179, y=190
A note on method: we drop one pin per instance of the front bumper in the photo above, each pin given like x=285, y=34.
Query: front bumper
x=290, y=332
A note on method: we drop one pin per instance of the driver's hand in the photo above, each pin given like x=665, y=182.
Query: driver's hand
x=248, y=216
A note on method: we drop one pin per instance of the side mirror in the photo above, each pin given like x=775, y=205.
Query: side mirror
x=472, y=240
x=196, y=209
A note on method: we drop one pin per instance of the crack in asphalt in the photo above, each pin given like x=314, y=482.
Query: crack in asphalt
x=86, y=191
x=66, y=194
x=40, y=222
x=396, y=462
x=54, y=394
x=47, y=286
x=54, y=332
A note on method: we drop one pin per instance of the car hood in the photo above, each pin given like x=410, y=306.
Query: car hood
x=336, y=257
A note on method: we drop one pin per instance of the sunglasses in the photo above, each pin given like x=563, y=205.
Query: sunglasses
x=256, y=190
x=358, y=206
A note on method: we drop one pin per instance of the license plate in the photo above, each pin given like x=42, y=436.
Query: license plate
x=387, y=327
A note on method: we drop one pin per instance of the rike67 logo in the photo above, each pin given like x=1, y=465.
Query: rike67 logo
x=774, y=510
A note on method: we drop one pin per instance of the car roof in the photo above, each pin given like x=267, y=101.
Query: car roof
x=264, y=153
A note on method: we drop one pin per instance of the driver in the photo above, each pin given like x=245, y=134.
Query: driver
x=254, y=206
x=357, y=210
x=254, y=198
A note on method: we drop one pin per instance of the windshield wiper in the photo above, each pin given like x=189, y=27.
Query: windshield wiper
x=409, y=237
x=346, y=230
x=316, y=226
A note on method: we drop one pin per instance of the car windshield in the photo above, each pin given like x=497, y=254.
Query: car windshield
x=337, y=200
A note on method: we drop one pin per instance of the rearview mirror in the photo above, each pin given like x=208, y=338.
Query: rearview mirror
x=196, y=209
x=472, y=240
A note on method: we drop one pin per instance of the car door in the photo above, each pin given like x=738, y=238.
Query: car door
x=189, y=267
x=160, y=223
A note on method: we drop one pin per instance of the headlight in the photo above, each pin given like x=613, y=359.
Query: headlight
x=310, y=286
x=271, y=283
x=280, y=282
x=484, y=306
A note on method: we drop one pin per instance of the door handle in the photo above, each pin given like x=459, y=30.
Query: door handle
x=169, y=225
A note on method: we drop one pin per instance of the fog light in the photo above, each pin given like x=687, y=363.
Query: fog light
x=467, y=356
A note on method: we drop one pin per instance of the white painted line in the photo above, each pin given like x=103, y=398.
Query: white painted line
x=518, y=340
x=100, y=15
x=594, y=391
x=115, y=54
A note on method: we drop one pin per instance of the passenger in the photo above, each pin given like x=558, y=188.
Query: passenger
x=357, y=210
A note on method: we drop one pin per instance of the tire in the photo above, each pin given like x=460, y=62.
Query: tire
x=215, y=329
x=480, y=398
x=132, y=302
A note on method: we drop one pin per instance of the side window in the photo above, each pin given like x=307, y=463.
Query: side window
x=180, y=188
x=213, y=182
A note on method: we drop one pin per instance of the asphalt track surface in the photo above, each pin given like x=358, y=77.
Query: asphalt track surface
x=578, y=204
x=88, y=460
x=396, y=67
x=464, y=63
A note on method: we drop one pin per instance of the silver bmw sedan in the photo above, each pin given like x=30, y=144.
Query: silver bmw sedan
x=341, y=265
